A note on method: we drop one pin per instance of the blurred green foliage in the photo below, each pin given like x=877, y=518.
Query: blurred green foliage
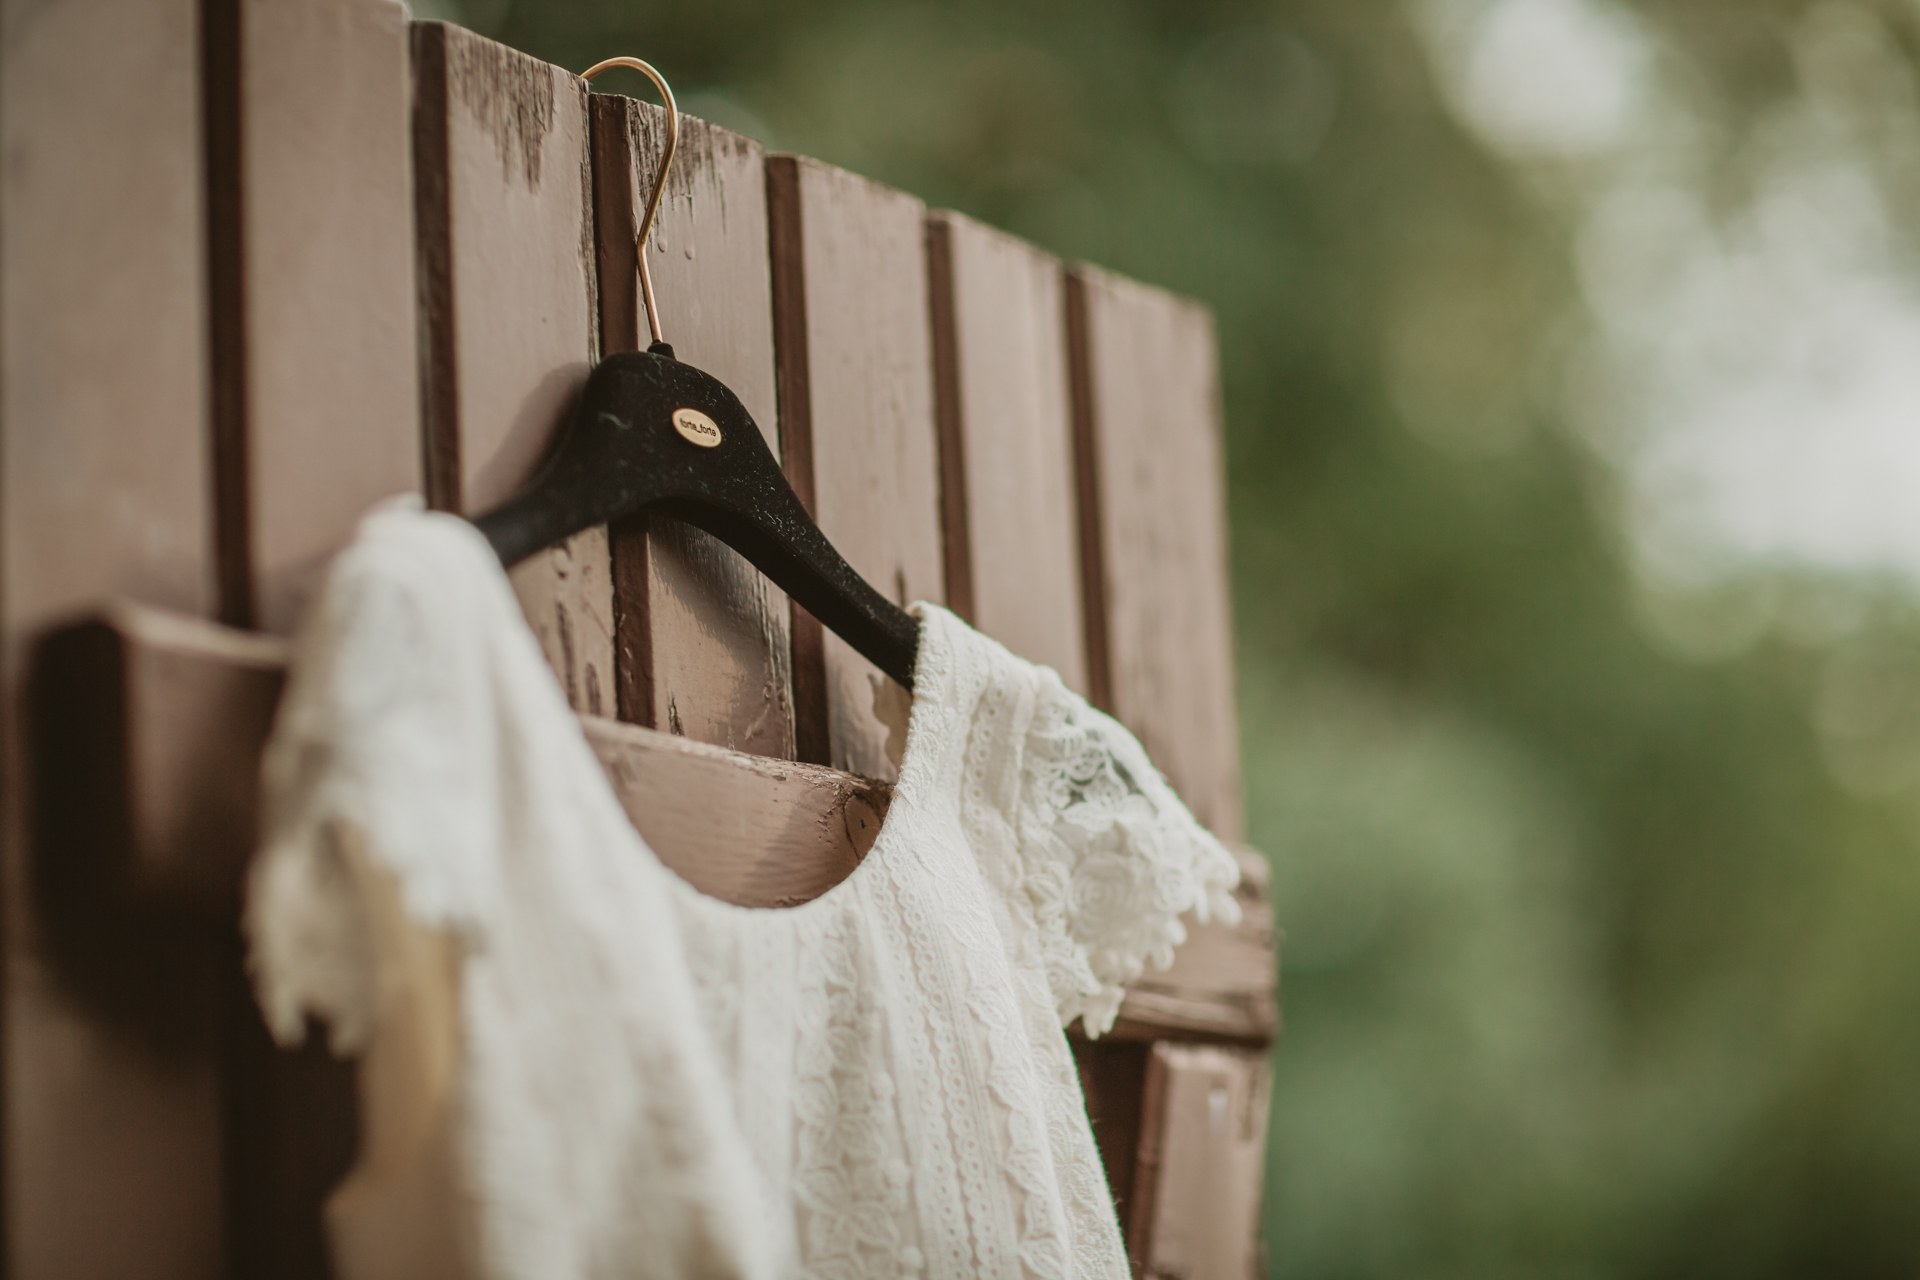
x=1594, y=965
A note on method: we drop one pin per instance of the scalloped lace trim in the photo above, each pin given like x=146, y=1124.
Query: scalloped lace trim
x=1113, y=857
x=1063, y=806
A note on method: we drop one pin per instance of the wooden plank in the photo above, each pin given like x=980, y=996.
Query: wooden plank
x=331, y=395
x=748, y=830
x=165, y=710
x=852, y=336
x=144, y=720
x=1006, y=433
x=319, y=395
x=703, y=646
x=153, y=715
x=506, y=257
x=1195, y=1213
x=112, y=1158
x=1152, y=503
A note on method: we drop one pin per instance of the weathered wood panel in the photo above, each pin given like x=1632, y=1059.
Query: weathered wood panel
x=1006, y=435
x=851, y=326
x=506, y=256
x=331, y=393
x=112, y=1116
x=1152, y=506
x=703, y=638
x=1195, y=1213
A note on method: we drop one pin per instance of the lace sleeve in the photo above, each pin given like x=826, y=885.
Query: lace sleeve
x=382, y=742
x=1113, y=859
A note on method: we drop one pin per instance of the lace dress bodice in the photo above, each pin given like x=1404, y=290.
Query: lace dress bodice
x=645, y=1081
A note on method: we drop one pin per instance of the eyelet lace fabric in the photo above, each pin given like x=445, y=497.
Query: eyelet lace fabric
x=651, y=1082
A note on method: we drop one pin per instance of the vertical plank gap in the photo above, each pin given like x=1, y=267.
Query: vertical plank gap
x=1086, y=492
x=1146, y=1163
x=955, y=533
x=1113, y=1075
x=616, y=224
x=433, y=232
x=226, y=309
x=292, y=1119
x=793, y=389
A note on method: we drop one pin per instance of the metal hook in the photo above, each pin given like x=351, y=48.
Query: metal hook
x=659, y=181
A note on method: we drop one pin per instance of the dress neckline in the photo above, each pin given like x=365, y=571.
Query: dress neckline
x=907, y=791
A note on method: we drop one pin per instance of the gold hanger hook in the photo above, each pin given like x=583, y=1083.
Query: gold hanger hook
x=659, y=180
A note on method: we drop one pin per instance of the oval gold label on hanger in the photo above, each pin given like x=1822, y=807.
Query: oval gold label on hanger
x=696, y=427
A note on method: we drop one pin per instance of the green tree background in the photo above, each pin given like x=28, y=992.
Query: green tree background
x=1596, y=963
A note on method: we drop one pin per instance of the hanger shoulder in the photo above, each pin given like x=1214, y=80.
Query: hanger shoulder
x=651, y=433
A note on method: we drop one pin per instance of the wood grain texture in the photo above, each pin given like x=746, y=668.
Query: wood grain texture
x=851, y=256
x=1149, y=395
x=1006, y=427
x=111, y=1128
x=715, y=645
x=332, y=400
x=508, y=283
x=1195, y=1213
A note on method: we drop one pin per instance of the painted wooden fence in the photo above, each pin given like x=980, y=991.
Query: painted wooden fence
x=268, y=261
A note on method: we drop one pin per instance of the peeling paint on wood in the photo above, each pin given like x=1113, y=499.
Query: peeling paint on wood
x=510, y=298
x=512, y=97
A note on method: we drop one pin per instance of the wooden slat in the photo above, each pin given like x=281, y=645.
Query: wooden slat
x=506, y=256
x=703, y=638
x=1160, y=652
x=111, y=1100
x=330, y=372
x=182, y=707
x=148, y=722
x=1006, y=437
x=1195, y=1212
x=851, y=326
x=317, y=416
x=748, y=830
x=161, y=713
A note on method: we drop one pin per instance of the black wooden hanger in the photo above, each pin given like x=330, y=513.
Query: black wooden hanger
x=653, y=434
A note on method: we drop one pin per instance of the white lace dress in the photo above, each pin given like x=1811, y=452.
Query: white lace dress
x=576, y=1065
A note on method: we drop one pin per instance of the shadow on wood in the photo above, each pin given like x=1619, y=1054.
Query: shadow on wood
x=118, y=719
